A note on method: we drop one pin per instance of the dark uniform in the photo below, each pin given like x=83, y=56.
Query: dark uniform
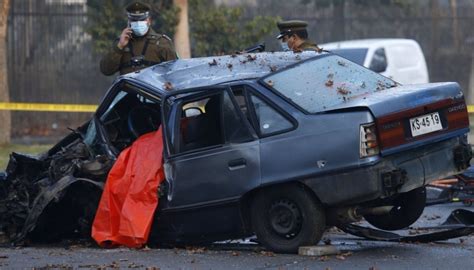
x=141, y=52
x=288, y=28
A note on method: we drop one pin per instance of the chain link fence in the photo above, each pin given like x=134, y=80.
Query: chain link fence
x=51, y=59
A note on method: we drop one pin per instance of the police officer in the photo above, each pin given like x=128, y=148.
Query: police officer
x=138, y=46
x=294, y=36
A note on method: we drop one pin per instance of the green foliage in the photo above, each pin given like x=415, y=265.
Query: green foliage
x=367, y=3
x=214, y=29
x=219, y=30
x=107, y=18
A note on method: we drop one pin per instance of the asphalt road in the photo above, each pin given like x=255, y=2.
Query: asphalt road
x=356, y=254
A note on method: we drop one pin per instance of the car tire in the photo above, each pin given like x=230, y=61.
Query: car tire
x=408, y=207
x=287, y=217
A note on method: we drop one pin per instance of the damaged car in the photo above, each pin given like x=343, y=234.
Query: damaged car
x=278, y=145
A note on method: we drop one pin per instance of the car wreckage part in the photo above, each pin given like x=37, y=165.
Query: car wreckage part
x=459, y=223
x=344, y=215
x=407, y=208
x=34, y=186
x=287, y=217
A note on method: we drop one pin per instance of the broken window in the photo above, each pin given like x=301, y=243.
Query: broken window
x=214, y=120
x=130, y=115
x=318, y=84
x=266, y=119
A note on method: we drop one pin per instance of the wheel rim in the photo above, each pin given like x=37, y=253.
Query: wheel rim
x=285, y=218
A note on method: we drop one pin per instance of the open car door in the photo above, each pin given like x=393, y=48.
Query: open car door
x=211, y=159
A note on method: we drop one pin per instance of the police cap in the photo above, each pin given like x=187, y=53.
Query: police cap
x=289, y=27
x=137, y=11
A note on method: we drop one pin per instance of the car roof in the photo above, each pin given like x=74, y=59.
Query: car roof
x=199, y=72
x=366, y=43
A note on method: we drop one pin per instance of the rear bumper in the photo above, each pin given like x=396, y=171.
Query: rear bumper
x=393, y=174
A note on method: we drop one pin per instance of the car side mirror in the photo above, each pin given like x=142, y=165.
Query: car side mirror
x=192, y=111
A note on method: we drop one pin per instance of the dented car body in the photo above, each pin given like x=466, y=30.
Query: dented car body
x=274, y=144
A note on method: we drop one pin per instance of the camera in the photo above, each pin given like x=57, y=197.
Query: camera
x=137, y=61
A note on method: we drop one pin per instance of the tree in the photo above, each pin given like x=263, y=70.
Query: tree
x=218, y=30
x=5, y=117
x=181, y=37
x=213, y=29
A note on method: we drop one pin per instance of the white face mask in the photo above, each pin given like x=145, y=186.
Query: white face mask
x=139, y=28
x=284, y=46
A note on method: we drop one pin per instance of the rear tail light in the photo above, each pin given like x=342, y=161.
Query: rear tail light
x=368, y=141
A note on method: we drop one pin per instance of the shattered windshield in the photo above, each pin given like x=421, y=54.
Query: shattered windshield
x=322, y=83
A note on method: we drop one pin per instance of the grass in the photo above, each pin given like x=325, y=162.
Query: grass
x=5, y=151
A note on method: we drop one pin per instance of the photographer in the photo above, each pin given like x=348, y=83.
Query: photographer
x=138, y=46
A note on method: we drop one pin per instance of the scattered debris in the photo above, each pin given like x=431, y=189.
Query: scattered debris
x=329, y=83
x=196, y=250
x=273, y=68
x=343, y=91
x=270, y=83
x=251, y=57
x=324, y=258
x=168, y=86
x=213, y=63
x=343, y=256
x=229, y=66
x=267, y=253
x=341, y=63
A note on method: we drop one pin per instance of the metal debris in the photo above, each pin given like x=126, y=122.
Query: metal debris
x=213, y=63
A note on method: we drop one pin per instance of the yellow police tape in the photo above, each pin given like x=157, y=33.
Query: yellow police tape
x=46, y=107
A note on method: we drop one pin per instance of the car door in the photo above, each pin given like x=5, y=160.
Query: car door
x=212, y=154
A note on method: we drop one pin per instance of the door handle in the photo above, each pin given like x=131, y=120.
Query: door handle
x=237, y=164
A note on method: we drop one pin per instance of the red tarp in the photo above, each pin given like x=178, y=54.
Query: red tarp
x=130, y=197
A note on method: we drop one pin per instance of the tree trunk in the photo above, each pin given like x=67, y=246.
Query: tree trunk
x=181, y=37
x=339, y=21
x=5, y=120
x=455, y=24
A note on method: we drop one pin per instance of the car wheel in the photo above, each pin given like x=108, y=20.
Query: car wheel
x=408, y=207
x=287, y=217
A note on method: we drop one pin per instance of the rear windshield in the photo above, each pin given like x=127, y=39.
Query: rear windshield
x=355, y=55
x=324, y=82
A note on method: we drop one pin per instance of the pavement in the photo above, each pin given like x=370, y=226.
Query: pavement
x=356, y=253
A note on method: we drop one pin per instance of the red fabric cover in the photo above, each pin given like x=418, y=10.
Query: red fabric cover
x=130, y=197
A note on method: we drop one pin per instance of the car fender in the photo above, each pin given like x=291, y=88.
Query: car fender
x=45, y=197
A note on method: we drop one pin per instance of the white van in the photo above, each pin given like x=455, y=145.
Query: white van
x=399, y=59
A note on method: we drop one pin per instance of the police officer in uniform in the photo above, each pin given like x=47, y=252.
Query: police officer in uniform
x=294, y=36
x=138, y=46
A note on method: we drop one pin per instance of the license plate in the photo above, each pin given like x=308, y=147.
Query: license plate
x=425, y=124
